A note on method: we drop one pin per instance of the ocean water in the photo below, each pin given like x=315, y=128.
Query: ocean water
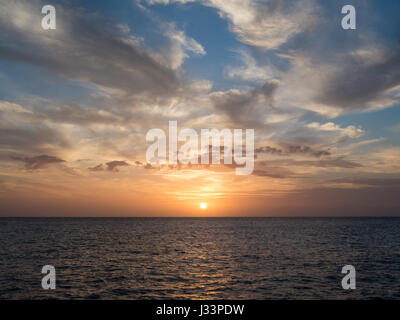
x=226, y=258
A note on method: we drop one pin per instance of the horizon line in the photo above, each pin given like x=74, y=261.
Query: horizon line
x=194, y=217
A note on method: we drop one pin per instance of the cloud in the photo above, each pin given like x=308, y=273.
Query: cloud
x=114, y=165
x=181, y=44
x=351, y=132
x=338, y=162
x=246, y=107
x=99, y=167
x=39, y=162
x=307, y=150
x=267, y=24
x=293, y=149
x=109, y=166
x=363, y=81
x=268, y=149
x=31, y=137
x=148, y=166
x=269, y=174
x=369, y=181
x=124, y=87
x=250, y=70
x=23, y=131
x=345, y=72
x=85, y=47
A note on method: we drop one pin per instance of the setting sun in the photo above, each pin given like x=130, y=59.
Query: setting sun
x=203, y=205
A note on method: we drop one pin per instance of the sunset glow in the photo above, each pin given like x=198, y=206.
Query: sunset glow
x=74, y=124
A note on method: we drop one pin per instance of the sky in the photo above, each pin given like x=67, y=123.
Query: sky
x=76, y=104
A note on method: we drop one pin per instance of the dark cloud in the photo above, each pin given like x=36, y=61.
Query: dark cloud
x=39, y=162
x=109, y=166
x=245, y=108
x=360, y=81
x=113, y=165
x=293, y=149
x=268, y=149
x=348, y=71
x=297, y=149
x=148, y=166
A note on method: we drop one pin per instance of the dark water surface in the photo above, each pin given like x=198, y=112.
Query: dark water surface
x=252, y=258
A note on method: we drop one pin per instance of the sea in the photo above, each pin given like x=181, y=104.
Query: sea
x=200, y=258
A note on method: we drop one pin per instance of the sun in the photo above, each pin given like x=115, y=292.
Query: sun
x=203, y=206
